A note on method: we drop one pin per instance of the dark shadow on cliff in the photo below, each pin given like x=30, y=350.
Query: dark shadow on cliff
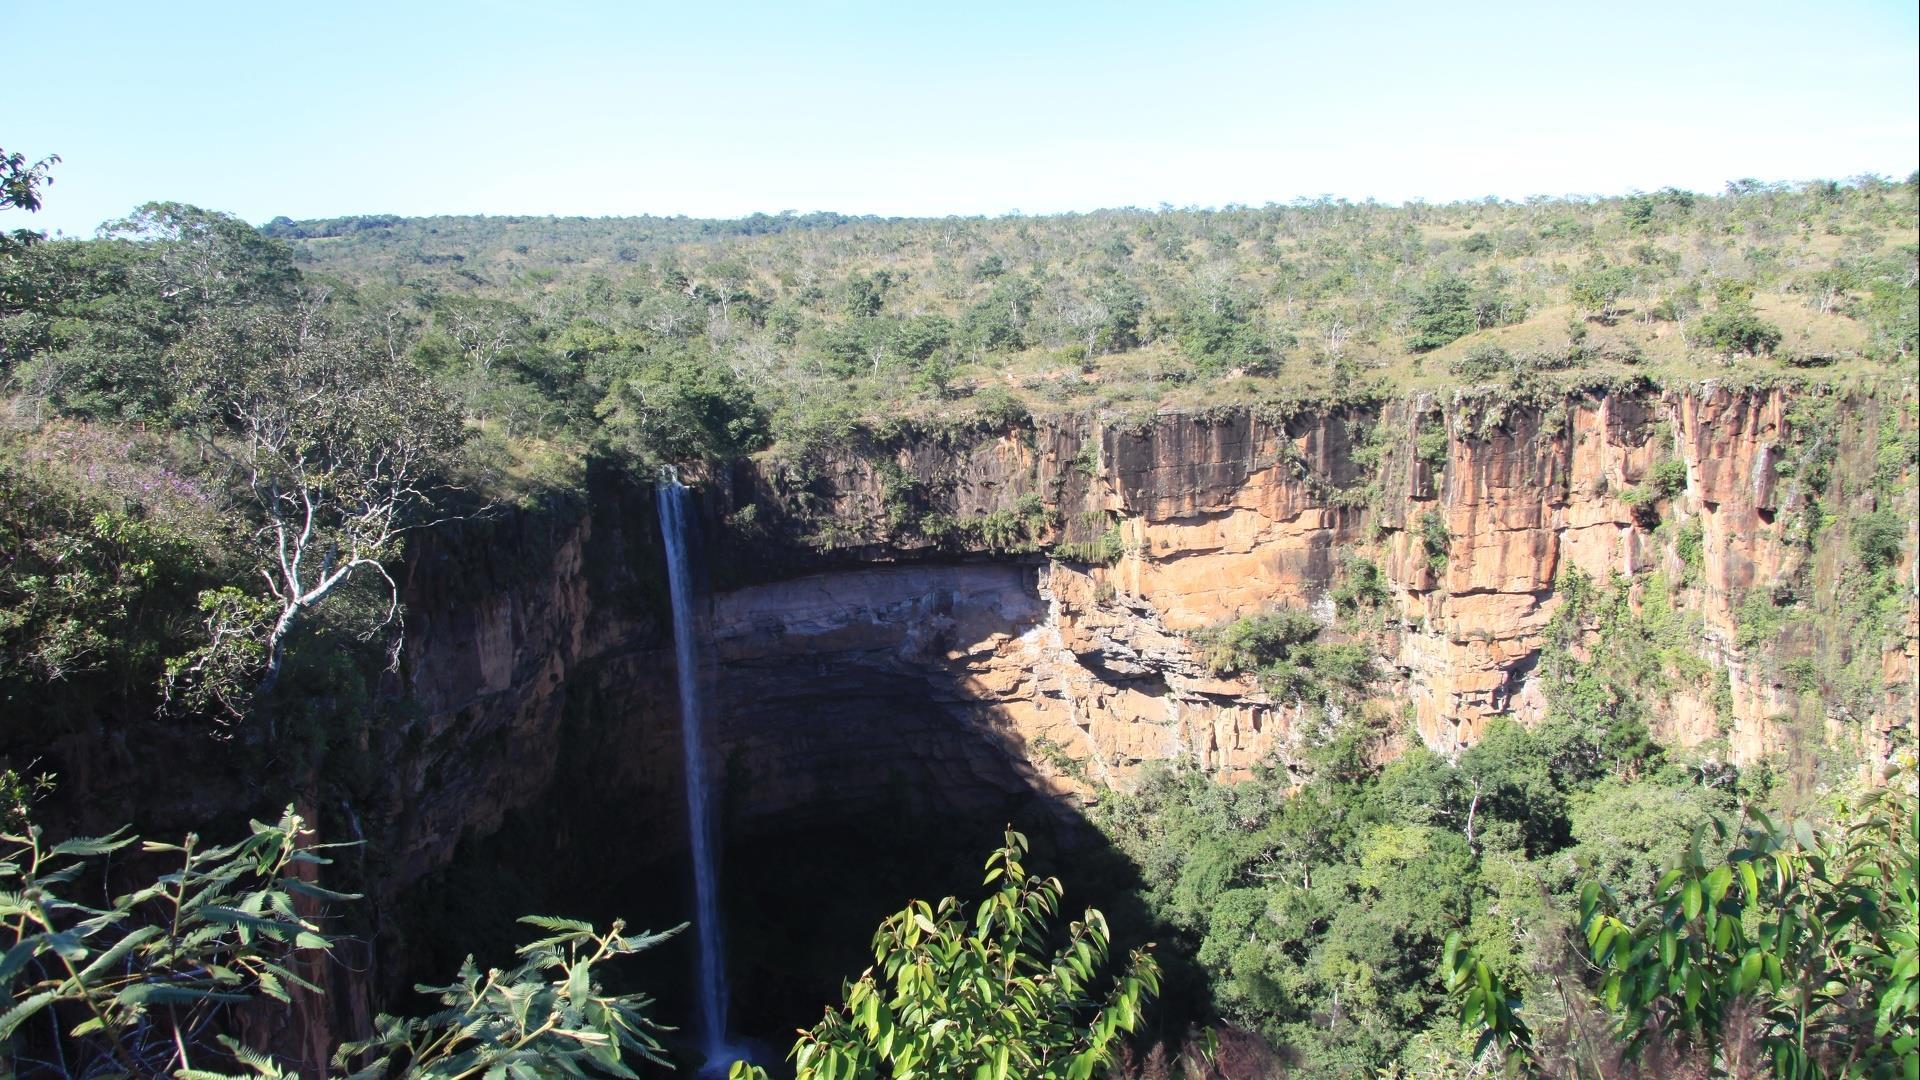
x=859, y=774
x=803, y=891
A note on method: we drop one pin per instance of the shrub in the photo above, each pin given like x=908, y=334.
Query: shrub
x=1255, y=642
x=1103, y=550
x=1363, y=586
x=1668, y=478
x=1690, y=545
x=953, y=994
x=154, y=969
x=1431, y=447
x=1735, y=328
x=1483, y=361
x=1282, y=651
x=1878, y=538
x=1435, y=538
x=548, y=1016
x=1016, y=530
x=995, y=409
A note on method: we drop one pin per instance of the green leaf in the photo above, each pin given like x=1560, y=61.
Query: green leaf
x=549, y=922
x=118, y=952
x=85, y=846
x=17, y=957
x=155, y=994
x=308, y=888
x=1718, y=882
x=1803, y=834
x=23, y=1010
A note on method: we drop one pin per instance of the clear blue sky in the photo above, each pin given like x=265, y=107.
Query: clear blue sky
x=967, y=107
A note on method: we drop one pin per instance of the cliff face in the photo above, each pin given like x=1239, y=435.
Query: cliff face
x=895, y=621
x=1210, y=517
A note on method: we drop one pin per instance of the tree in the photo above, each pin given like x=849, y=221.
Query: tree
x=337, y=444
x=205, y=259
x=1216, y=330
x=866, y=294
x=998, y=321
x=99, y=316
x=1443, y=311
x=672, y=404
x=1797, y=952
x=956, y=996
x=1125, y=305
x=1734, y=326
x=1599, y=290
x=20, y=185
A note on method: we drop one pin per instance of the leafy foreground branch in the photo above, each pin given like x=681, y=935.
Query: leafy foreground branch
x=954, y=997
x=142, y=986
x=1796, y=954
x=546, y=1017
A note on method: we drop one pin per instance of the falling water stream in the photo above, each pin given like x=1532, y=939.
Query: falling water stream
x=710, y=991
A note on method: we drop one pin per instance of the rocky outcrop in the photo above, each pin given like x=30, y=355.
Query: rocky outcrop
x=1218, y=515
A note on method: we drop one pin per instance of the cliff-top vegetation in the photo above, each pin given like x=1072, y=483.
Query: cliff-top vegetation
x=668, y=339
x=814, y=316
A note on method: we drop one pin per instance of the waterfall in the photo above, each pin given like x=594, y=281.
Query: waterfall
x=676, y=522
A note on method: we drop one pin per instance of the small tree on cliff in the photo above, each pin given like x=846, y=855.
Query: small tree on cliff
x=335, y=442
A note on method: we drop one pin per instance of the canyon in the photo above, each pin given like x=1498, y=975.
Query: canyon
x=986, y=625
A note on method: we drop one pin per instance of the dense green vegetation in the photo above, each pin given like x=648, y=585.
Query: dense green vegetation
x=1320, y=912
x=1284, y=652
x=1355, y=922
x=205, y=462
x=1313, y=905
x=670, y=339
x=820, y=316
x=1798, y=951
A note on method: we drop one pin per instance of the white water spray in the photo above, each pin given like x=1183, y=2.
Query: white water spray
x=710, y=992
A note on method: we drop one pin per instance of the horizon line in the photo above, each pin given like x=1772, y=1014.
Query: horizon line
x=1491, y=199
